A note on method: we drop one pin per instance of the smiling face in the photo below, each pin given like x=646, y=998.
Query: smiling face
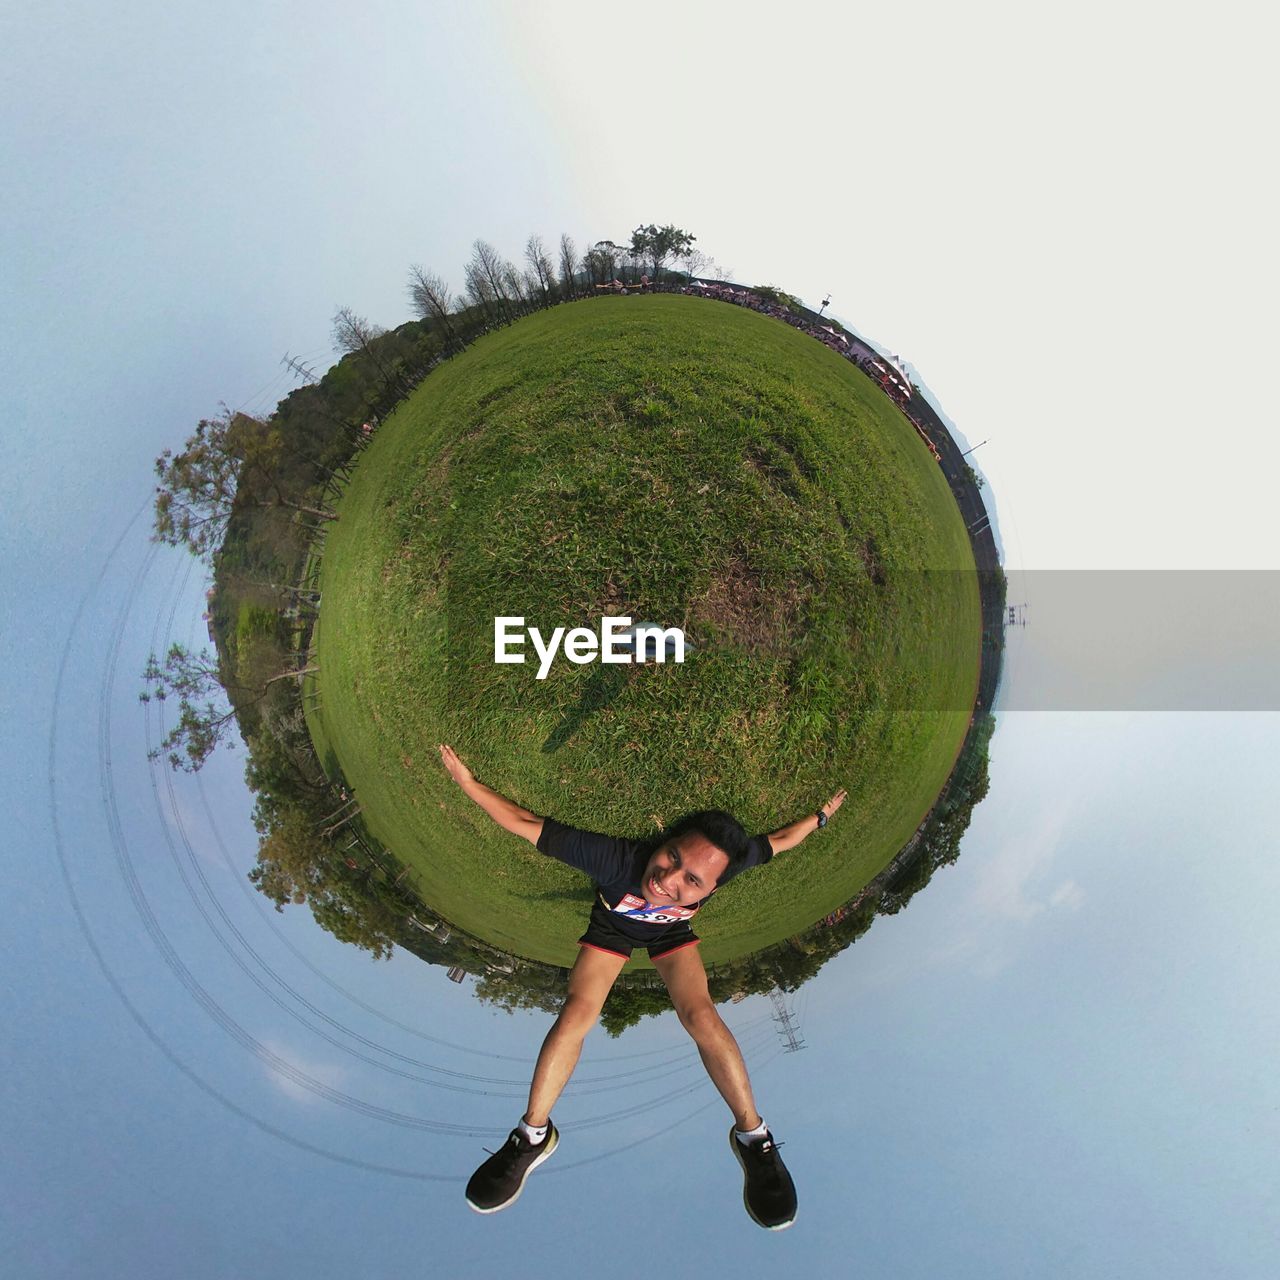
x=683, y=871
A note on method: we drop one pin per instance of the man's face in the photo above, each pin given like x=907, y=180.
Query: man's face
x=683, y=871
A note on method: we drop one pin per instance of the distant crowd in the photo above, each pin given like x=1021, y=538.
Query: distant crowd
x=894, y=383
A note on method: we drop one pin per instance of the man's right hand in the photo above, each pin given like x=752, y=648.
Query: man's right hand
x=835, y=802
x=457, y=770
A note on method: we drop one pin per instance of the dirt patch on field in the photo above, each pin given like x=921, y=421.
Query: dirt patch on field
x=738, y=607
x=799, y=461
x=491, y=397
x=870, y=551
x=772, y=465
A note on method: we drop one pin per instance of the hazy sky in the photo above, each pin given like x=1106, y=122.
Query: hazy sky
x=1060, y=1060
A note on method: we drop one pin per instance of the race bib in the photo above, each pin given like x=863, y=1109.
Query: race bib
x=635, y=908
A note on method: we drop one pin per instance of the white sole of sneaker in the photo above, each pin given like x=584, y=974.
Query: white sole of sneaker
x=553, y=1141
x=737, y=1155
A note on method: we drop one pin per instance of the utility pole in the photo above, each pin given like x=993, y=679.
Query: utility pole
x=967, y=452
x=787, y=1029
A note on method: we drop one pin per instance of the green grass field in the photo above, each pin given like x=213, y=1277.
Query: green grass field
x=684, y=462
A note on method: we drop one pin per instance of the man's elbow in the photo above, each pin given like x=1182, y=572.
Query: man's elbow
x=529, y=828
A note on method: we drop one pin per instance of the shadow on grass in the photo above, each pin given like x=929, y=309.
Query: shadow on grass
x=604, y=685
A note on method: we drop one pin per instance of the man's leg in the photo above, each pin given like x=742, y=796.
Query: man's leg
x=686, y=981
x=590, y=981
x=768, y=1192
x=499, y=1181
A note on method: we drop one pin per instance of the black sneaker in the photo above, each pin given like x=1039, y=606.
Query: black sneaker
x=767, y=1191
x=500, y=1180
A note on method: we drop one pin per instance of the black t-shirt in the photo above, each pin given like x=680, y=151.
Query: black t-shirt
x=617, y=864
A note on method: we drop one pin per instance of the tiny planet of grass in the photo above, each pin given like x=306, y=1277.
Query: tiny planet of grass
x=683, y=462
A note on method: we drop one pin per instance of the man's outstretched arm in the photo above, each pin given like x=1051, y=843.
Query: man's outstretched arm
x=506, y=813
x=790, y=836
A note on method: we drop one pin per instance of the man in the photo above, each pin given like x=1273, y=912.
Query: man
x=646, y=894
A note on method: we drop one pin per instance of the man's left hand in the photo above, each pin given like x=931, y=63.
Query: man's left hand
x=834, y=803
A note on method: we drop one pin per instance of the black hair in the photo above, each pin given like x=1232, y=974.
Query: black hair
x=722, y=829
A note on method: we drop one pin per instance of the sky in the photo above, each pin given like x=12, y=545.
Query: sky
x=1059, y=1060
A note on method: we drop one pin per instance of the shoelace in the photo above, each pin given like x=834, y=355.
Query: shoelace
x=767, y=1158
x=512, y=1138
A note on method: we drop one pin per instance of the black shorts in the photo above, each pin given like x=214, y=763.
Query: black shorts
x=604, y=935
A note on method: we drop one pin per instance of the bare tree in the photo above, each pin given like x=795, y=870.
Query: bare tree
x=432, y=301
x=519, y=288
x=480, y=293
x=697, y=263
x=568, y=267
x=544, y=273
x=488, y=279
x=205, y=718
x=355, y=335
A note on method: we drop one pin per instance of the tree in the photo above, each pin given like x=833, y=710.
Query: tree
x=432, y=301
x=202, y=722
x=527, y=986
x=356, y=336
x=543, y=272
x=661, y=244
x=231, y=458
x=519, y=288
x=641, y=243
x=204, y=718
x=568, y=267
x=353, y=333
x=599, y=266
x=282, y=769
x=626, y=1005
x=197, y=489
x=771, y=293
x=606, y=255
x=259, y=449
x=635, y=263
x=697, y=263
x=488, y=280
x=297, y=865
x=262, y=662
x=292, y=858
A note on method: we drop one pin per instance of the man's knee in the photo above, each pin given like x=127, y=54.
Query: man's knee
x=700, y=1019
x=579, y=1014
